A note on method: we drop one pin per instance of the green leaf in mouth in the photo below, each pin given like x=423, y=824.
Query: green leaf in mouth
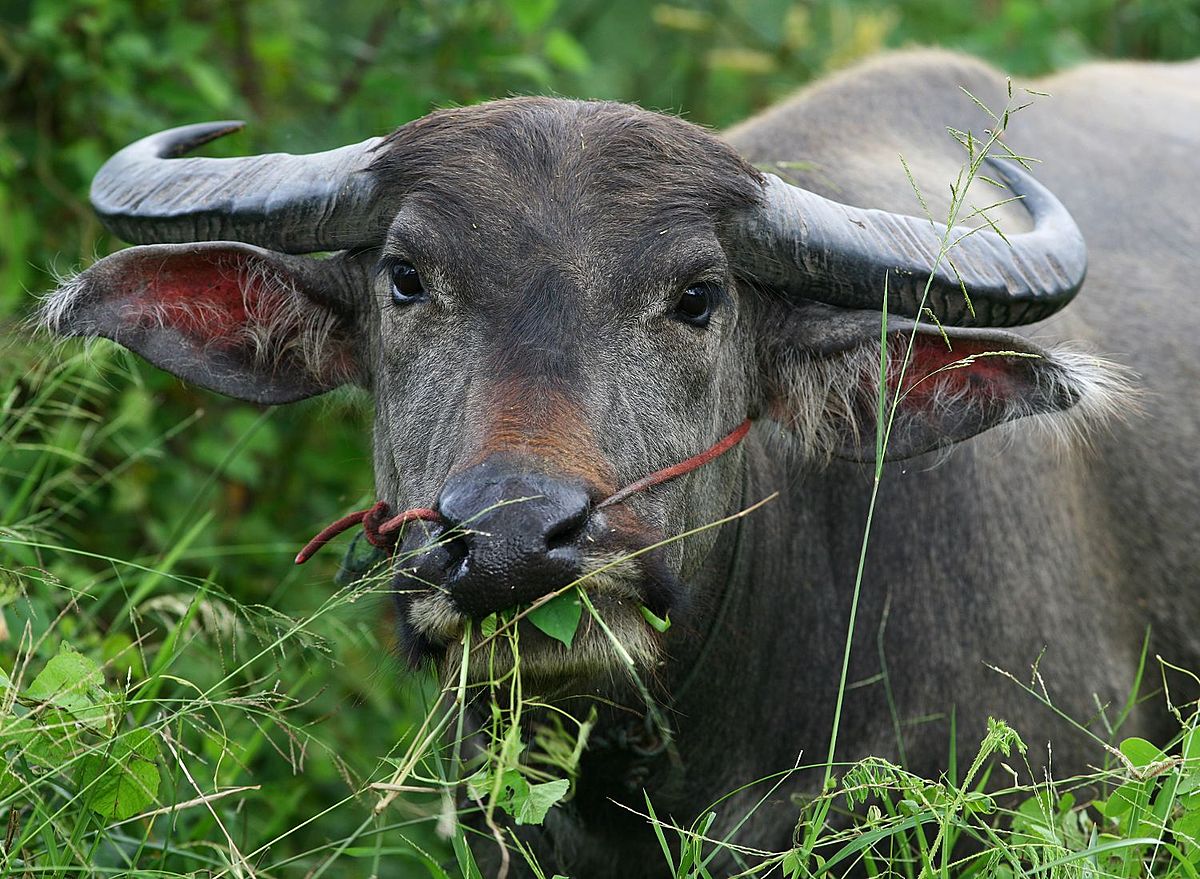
x=559, y=617
x=537, y=800
x=659, y=624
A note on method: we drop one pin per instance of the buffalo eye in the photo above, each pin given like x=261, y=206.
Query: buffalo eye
x=406, y=284
x=695, y=305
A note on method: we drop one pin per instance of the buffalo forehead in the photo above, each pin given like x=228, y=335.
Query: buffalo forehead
x=515, y=178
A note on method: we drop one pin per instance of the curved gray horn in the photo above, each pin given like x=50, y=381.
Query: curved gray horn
x=818, y=249
x=293, y=204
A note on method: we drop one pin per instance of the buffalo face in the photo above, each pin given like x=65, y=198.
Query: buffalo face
x=548, y=351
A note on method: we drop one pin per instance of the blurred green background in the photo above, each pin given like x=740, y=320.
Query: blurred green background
x=127, y=463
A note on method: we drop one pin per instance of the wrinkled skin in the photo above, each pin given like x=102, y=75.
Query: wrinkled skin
x=549, y=343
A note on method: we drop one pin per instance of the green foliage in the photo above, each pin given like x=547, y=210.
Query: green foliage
x=527, y=803
x=916, y=827
x=659, y=624
x=174, y=697
x=142, y=708
x=123, y=780
x=64, y=722
x=73, y=683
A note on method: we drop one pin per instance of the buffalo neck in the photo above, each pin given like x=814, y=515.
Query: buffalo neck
x=762, y=635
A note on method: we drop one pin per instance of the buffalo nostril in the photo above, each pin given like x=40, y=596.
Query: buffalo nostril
x=457, y=552
x=568, y=529
x=515, y=535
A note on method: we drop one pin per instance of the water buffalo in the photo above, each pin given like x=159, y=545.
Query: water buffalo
x=549, y=299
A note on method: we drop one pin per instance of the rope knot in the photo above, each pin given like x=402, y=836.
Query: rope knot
x=373, y=523
x=381, y=532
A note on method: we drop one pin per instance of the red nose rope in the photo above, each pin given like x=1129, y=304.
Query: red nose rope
x=384, y=533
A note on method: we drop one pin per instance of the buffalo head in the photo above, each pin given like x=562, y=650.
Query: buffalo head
x=549, y=299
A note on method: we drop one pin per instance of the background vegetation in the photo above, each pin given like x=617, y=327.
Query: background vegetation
x=149, y=526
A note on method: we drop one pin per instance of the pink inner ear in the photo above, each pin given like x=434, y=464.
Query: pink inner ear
x=990, y=377
x=209, y=300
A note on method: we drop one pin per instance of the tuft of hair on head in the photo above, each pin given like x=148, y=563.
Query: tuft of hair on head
x=657, y=164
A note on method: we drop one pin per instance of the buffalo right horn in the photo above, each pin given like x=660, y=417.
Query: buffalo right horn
x=815, y=248
x=294, y=204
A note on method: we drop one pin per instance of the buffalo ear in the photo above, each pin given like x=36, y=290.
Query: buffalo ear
x=239, y=320
x=822, y=370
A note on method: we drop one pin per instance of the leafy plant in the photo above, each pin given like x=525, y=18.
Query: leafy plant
x=65, y=722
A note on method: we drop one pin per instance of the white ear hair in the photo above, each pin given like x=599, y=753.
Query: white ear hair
x=281, y=320
x=282, y=325
x=832, y=399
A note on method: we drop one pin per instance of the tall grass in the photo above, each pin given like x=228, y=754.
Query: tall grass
x=152, y=725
